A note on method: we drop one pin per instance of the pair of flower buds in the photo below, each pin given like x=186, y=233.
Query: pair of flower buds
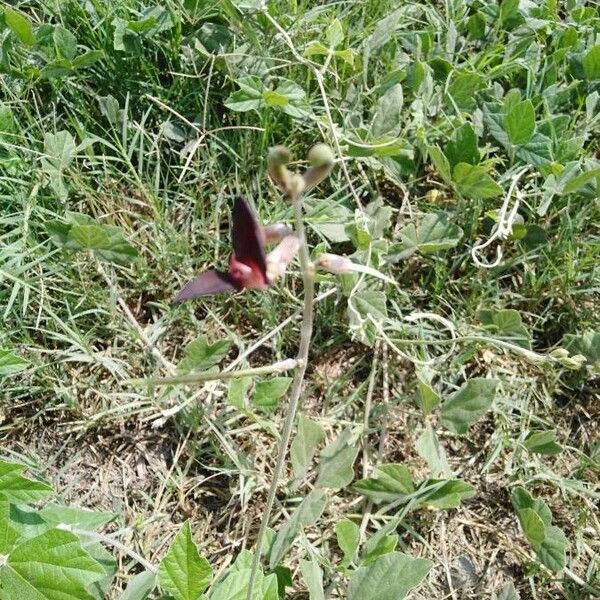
x=250, y=267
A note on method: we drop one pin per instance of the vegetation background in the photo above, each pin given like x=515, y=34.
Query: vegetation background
x=126, y=129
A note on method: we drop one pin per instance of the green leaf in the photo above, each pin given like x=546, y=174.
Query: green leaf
x=183, y=572
x=390, y=577
x=249, y=96
x=548, y=541
x=543, y=442
x=201, y=355
x=347, y=534
x=587, y=344
x=267, y=393
x=336, y=463
x=335, y=34
x=472, y=181
x=533, y=526
x=387, y=113
x=57, y=515
x=441, y=163
x=235, y=586
x=10, y=363
x=506, y=324
x=508, y=10
x=272, y=98
x=84, y=233
x=591, y=63
x=390, y=482
x=237, y=392
x=574, y=183
x=307, y=513
x=363, y=306
x=19, y=25
x=537, y=151
x=59, y=151
x=519, y=123
x=429, y=449
x=17, y=488
x=8, y=534
x=468, y=404
x=313, y=577
x=446, y=493
x=384, y=30
x=87, y=59
x=463, y=87
x=433, y=234
x=552, y=550
x=427, y=397
x=55, y=565
x=462, y=148
x=65, y=42
x=140, y=587
x=304, y=445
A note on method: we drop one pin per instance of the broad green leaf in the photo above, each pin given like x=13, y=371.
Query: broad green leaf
x=307, y=513
x=519, y=123
x=533, y=527
x=427, y=397
x=432, y=234
x=242, y=102
x=56, y=566
x=268, y=393
x=441, y=163
x=309, y=435
x=201, y=355
x=508, y=10
x=87, y=59
x=140, y=587
x=183, y=572
x=272, y=98
x=542, y=442
x=473, y=181
x=428, y=447
x=84, y=233
x=336, y=463
x=383, y=541
x=390, y=577
x=389, y=483
x=363, y=306
x=387, y=113
x=552, y=550
x=10, y=363
x=468, y=404
x=537, y=151
x=8, y=534
x=335, y=34
x=290, y=89
x=446, y=493
x=505, y=324
x=237, y=391
x=347, y=534
x=462, y=89
x=65, y=42
x=19, y=25
x=270, y=587
x=462, y=147
x=17, y=488
x=59, y=151
x=587, y=344
x=56, y=515
x=384, y=30
x=548, y=541
x=235, y=586
x=313, y=577
x=580, y=180
x=591, y=63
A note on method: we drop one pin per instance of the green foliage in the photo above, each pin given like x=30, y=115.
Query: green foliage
x=468, y=404
x=183, y=572
x=535, y=518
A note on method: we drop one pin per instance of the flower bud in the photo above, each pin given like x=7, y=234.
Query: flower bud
x=277, y=158
x=322, y=159
x=276, y=232
x=279, y=258
x=333, y=263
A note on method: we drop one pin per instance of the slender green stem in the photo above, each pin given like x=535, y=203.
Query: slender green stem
x=278, y=367
x=306, y=328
